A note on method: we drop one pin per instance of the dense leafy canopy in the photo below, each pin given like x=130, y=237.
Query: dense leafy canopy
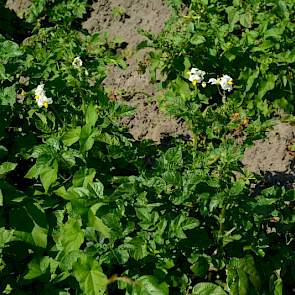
x=85, y=209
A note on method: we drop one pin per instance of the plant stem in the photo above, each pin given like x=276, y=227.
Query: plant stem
x=221, y=223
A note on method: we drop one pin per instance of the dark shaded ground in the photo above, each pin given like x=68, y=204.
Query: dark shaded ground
x=11, y=26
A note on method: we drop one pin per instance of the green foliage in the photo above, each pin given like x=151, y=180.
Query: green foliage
x=207, y=288
x=252, y=41
x=85, y=209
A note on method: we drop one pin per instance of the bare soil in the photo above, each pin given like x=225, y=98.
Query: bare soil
x=123, y=18
x=272, y=157
x=19, y=6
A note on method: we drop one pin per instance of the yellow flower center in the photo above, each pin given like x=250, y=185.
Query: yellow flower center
x=37, y=97
x=230, y=82
x=195, y=82
x=45, y=104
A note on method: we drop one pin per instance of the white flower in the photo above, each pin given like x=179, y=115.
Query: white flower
x=77, y=62
x=41, y=99
x=226, y=82
x=39, y=91
x=196, y=76
x=44, y=102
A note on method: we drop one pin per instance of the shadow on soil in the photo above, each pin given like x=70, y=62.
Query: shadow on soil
x=11, y=26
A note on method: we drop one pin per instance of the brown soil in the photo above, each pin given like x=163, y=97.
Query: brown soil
x=19, y=6
x=272, y=156
x=123, y=18
x=132, y=15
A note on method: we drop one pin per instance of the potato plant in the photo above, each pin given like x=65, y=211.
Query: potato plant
x=86, y=209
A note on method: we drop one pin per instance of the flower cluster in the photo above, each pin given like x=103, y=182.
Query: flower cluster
x=196, y=76
x=41, y=98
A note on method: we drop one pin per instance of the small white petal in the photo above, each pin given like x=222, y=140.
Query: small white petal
x=39, y=91
x=49, y=100
x=212, y=81
x=40, y=102
x=77, y=62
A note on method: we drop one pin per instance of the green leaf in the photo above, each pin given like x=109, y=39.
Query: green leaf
x=8, y=96
x=95, y=222
x=71, y=235
x=138, y=247
x=34, y=269
x=35, y=170
x=3, y=75
x=67, y=195
x=278, y=287
x=69, y=157
x=39, y=236
x=89, y=274
x=200, y=267
x=251, y=79
x=266, y=85
x=208, y=289
x=246, y=20
x=172, y=159
x=9, y=49
x=197, y=40
x=84, y=177
x=237, y=188
x=143, y=44
x=87, y=137
x=182, y=223
x=5, y=236
x=148, y=285
x=250, y=269
x=71, y=136
x=240, y=272
x=232, y=16
x=48, y=175
x=48, y=263
x=91, y=115
x=190, y=223
x=7, y=167
x=275, y=32
x=243, y=282
x=39, y=266
x=97, y=188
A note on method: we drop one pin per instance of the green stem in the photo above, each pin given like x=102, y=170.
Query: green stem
x=194, y=136
x=221, y=222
